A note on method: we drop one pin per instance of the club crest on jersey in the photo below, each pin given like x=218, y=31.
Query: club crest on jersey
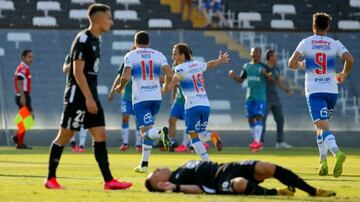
x=94, y=48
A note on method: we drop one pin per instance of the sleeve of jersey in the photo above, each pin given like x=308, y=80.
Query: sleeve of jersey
x=21, y=73
x=121, y=69
x=340, y=49
x=163, y=60
x=179, y=73
x=204, y=66
x=67, y=59
x=127, y=62
x=79, y=51
x=243, y=73
x=300, y=47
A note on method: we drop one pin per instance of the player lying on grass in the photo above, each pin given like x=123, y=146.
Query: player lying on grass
x=197, y=177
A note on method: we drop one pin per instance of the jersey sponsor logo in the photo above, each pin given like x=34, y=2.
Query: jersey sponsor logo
x=253, y=78
x=149, y=88
x=323, y=80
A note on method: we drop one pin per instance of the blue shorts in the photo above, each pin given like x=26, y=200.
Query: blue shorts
x=177, y=111
x=215, y=8
x=127, y=107
x=321, y=105
x=196, y=119
x=146, y=112
x=255, y=108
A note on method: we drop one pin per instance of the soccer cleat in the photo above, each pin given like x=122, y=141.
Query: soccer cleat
x=340, y=159
x=138, y=148
x=81, y=148
x=23, y=146
x=256, y=146
x=216, y=140
x=124, y=147
x=75, y=149
x=52, y=184
x=282, y=145
x=181, y=148
x=114, y=184
x=164, y=138
x=290, y=191
x=323, y=169
x=322, y=192
x=140, y=169
x=14, y=139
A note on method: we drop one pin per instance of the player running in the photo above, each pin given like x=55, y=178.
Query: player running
x=255, y=107
x=144, y=65
x=321, y=81
x=189, y=74
x=81, y=101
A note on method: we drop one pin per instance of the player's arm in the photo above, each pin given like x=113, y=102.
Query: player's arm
x=349, y=60
x=66, y=65
x=281, y=83
x=236, y=77
x=19, y=85
x=80, y=78
x=173, y=94
x=169, y=75
x=172, y=84
x=294, y=61
x=223, y=58
x=125, y=77
x=189, y=189
x=112, y=90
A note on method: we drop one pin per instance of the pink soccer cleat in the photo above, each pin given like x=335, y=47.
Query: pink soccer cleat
x=124, y=147
x=181, y=148
x=114, y=184
x=256, y=146
x=52, y=184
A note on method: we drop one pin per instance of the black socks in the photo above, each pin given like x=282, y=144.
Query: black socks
x=254, y=189
x=55, y=154
x=101, y=157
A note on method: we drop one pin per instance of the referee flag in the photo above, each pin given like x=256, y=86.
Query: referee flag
x=24, y=120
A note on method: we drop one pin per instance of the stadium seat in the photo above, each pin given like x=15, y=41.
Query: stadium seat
x=6, y=5
x=282, y=24
x=44, y=21
x=124, y=32
x=125, y=15
x=244, y=19
x=122, y=45
x=283, y=9
x=78, y=14
x=2, y=52
x=349, y=24
x=47, y=6
x=126, y=3
x=159, y=23
x=82, y=1
x=18, y=37
x=116, y=60
x=355, y=3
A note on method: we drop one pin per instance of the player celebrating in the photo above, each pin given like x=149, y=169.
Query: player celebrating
x=81, y=102
x=189, y=74
x=144, y=64
x=255, y=106
x=321, y=88
x=196, y=177
x=127, y=109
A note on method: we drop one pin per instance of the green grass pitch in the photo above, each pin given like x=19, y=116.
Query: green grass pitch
x=22, y=174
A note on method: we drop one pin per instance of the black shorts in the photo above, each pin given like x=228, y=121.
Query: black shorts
x=27, y=99
x=229, y=171
x=75, y=116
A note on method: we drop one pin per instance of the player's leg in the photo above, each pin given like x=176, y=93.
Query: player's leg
x=177, y=112
x=138, y=140
x=260, y=108
x=126, y=109
x=249, y=109
x=268, y=107
x=73, y=145
x=279, y=120
x=82, y=139
x=213, y=136
x=323, y=168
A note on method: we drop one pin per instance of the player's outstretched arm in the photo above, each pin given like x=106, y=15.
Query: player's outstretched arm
x=294, y=60
x=125, y=77
x=235, y=77
x=190, y=189
x=112, y=90
x=349, y=60
x=223, y=58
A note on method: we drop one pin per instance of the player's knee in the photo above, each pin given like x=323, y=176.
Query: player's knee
x=264, y=170
x=239, y=184
x=63, y=136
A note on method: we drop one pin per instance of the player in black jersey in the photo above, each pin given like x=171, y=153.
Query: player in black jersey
x=198, y=177
x=81, y=103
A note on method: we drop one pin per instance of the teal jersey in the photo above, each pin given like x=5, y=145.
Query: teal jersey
x=127, y=93
x=256, y=89
x=179, y=96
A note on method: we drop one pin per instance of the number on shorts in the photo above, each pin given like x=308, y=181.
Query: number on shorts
x=80, y=115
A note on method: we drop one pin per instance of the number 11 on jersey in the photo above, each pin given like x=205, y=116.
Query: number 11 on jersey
x=147, y=67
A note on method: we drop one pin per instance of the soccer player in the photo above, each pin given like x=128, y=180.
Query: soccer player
x=273, y=102
x=83, y=132
x=127, y=109
x=22, y=81
x=321, y=81
x=144, y=65
x=197, y=177
x=255, y=106
x=81, y=101
x=189, y=74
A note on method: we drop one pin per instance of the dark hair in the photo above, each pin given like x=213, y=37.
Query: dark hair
x=94, y=8
x=25, y=52
x=142, y=38
x=321, y=21
x=149, y=186
x=184, y=49
x=269, y=53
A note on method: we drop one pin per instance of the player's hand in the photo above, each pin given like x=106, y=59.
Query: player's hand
x=263, y=71
x=223, y=57
x=166, y=186
x=110, y=96
x=91, y=106
x=340, y=78
x=301, y=65
x=22, y=100
x=232, y=74
x=118, y=89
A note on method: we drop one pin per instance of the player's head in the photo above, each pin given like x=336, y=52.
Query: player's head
x=156, y=177
x=100, y=16
x=255, y=54
x=321, y=22
x=141, y=38
x=181, y=52
x=271, y=56
x=27, y=56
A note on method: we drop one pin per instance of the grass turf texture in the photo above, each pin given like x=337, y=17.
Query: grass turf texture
x=22, y=173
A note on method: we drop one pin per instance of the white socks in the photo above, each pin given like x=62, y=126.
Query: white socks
x=322, y=148
x=200, y=149
x=205, y=136
x=82, y=136
x=125, y=135
x=330, y=142
x=138, y=137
